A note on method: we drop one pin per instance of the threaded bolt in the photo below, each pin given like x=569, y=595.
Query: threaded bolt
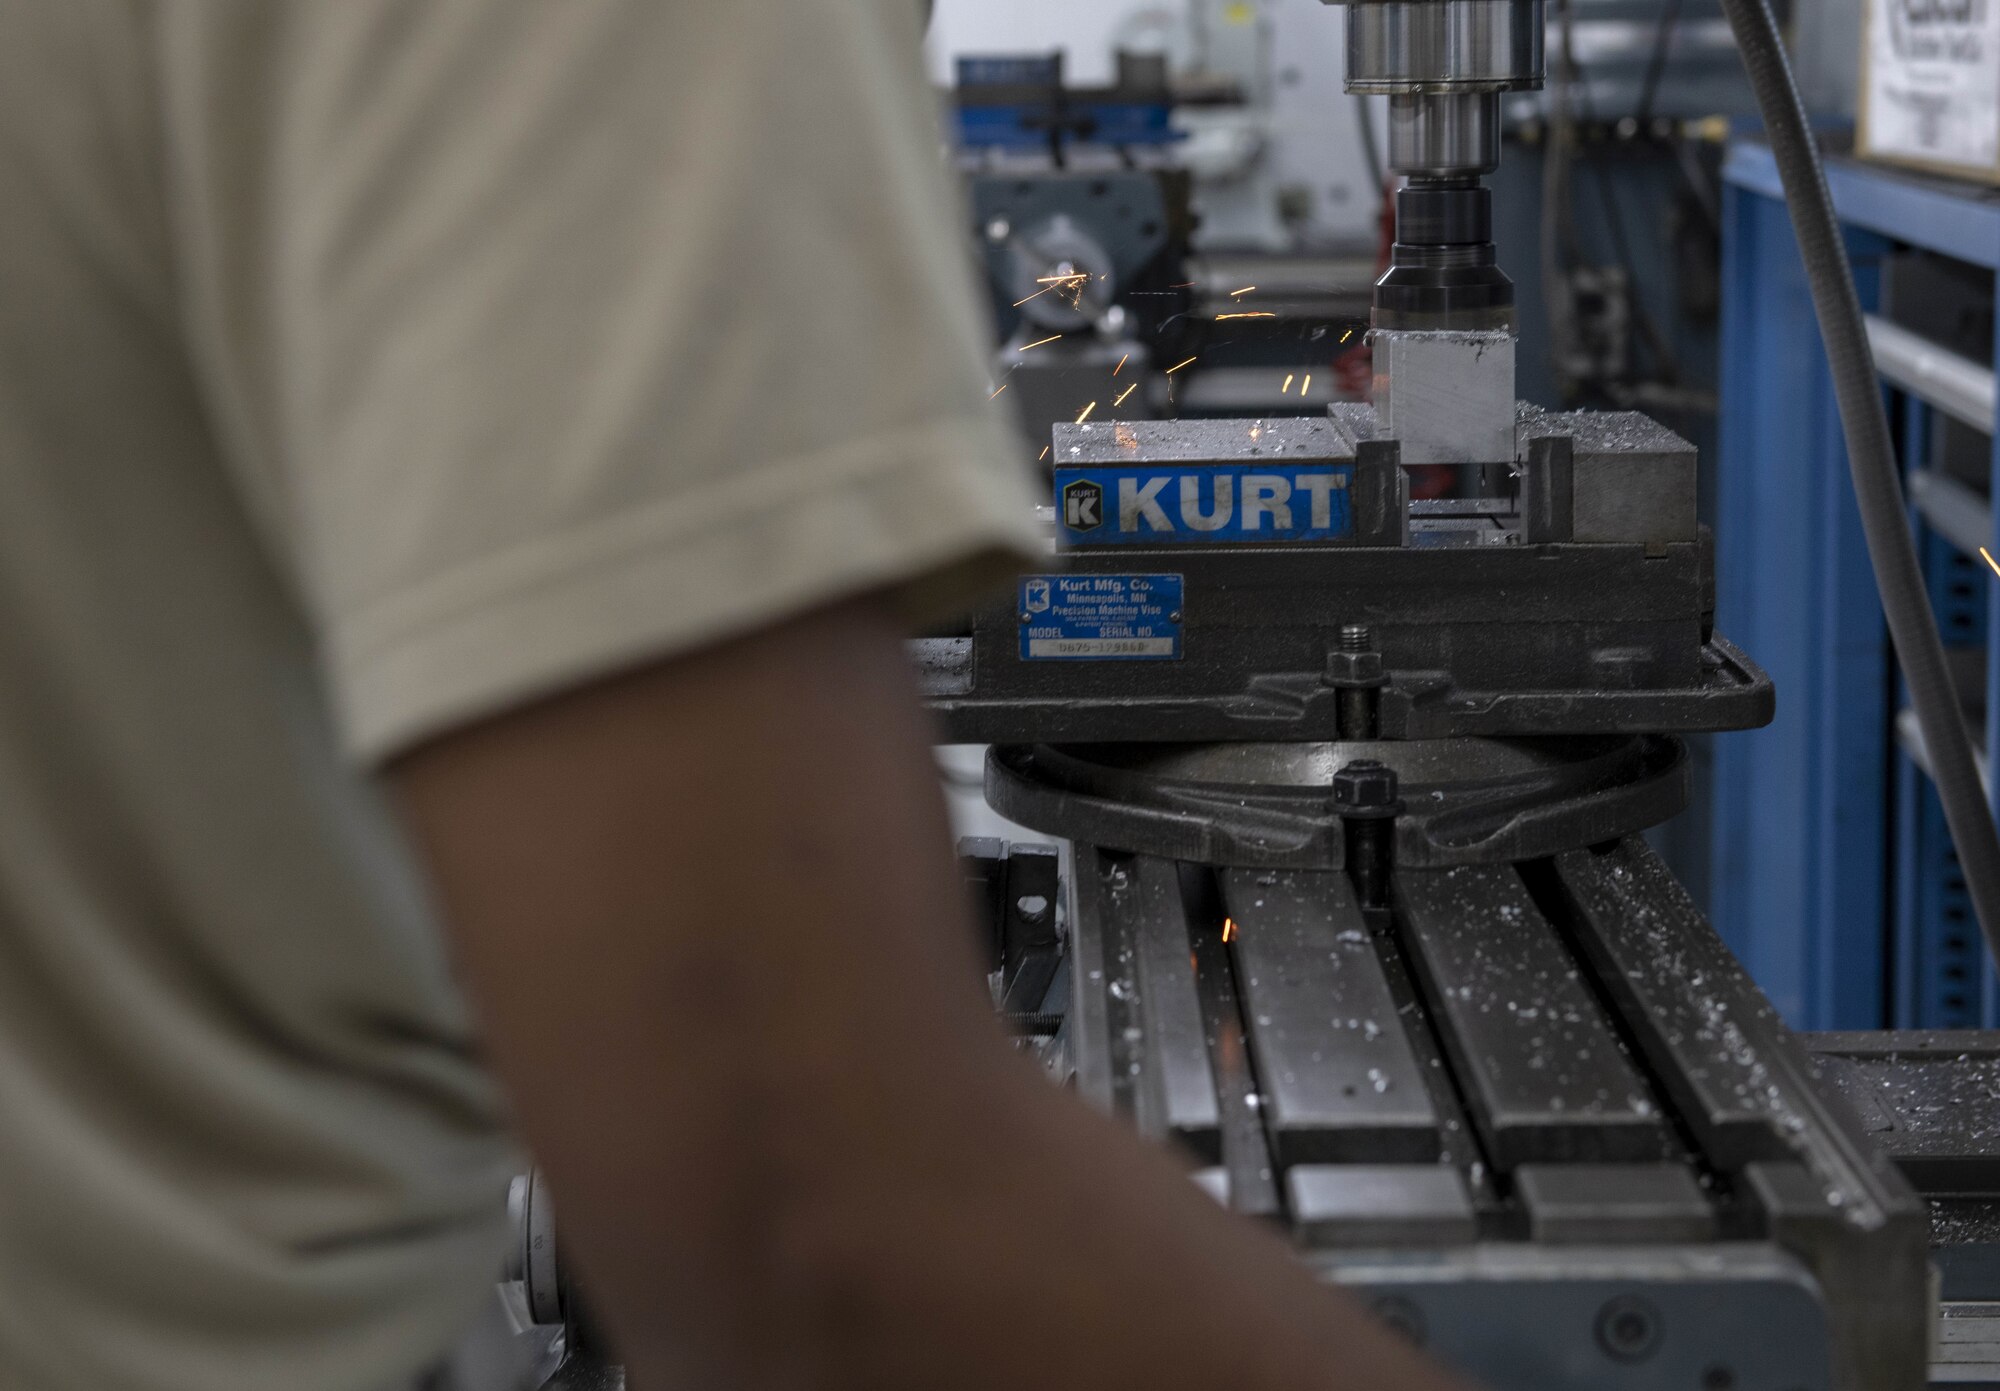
x=1356, y=637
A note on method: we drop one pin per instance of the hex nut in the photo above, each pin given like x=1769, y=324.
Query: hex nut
x=1365, y=788
x=1362, y=669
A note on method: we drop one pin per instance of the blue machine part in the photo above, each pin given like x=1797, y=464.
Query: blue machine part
x=1013, y=126
x=1942, y=977
x=1010, y=70
x=1800, y=882
x=1820, y=822
x=1007, y=101
x=1204, y=504
x=1098, y=618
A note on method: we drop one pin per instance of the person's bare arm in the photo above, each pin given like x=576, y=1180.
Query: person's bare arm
x=723, y=959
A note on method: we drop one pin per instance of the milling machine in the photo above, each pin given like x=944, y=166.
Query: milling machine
x=1359, y=915
x=1355, y=909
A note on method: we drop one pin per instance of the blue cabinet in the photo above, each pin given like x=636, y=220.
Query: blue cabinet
x=1833, y=878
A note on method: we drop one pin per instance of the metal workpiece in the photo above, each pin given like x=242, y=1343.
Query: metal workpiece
x=1444, y=135
x=1339, y=1079
x=1445, y=45
x=1446, y=397
x=1465, y=802
x=1544, y=1074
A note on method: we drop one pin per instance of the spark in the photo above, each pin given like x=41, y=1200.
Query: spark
x=1045, y=452
x=1121, y=364
x=1229, y=929
x=1025, y=346
x=1184, y=285
x=1036, y=295
x=1306, y=385
x=1123, y=394
x=997, y=390
x=1988, y=556
x=1086, y=412
x=1053, y=280
x=1177, y=367
x=1244, y=291
x=1347, y=335
x=1259, y=314
x=1290, y=377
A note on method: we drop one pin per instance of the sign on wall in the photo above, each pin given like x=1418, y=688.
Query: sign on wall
x=1930, y=85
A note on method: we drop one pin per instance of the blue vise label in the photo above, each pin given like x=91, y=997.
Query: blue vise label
x=1180, y=504
x=1100, y=618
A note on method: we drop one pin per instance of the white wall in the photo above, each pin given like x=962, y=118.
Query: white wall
x=1082, y=28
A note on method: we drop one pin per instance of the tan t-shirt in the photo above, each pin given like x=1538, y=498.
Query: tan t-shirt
x=367, y=366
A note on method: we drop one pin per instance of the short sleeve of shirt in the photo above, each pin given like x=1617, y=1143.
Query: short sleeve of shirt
x=549, y=337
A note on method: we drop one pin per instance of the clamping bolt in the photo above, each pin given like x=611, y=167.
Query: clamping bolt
x=1367, y=797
